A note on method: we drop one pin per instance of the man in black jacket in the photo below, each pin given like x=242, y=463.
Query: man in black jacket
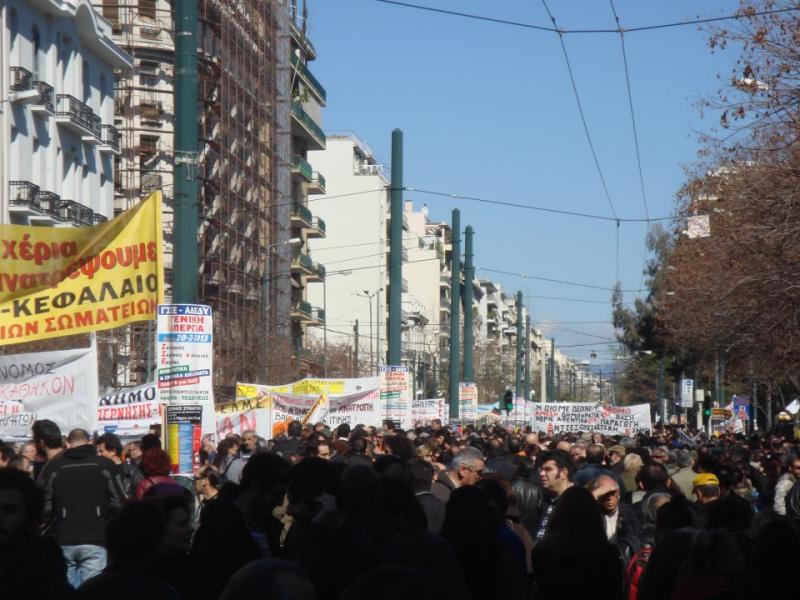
x=110, y=446
x=82, y=490
x=421, y=474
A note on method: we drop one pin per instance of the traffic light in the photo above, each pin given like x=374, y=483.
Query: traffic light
x=508, y=401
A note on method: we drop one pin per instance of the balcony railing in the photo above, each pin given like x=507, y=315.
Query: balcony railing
x=317, y=185
x=49, y=203
x=304, y=261
x=319, y=224
x=318, y=314
x=97, y=219
x=300, y=165
x=150, y=183
x=303, y=213
x=78, y=113
x=308, y=123
x=23, y=193
x=302, y=307
x=111, y=137
x=21, y=79
x=317, y=271
x=45, y=95
x=312, y=82
x=69, y=210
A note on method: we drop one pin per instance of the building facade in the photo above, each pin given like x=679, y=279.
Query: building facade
x=242, y=167
x=58, y=140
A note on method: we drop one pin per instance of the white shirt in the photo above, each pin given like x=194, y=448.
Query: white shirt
x=611, y=525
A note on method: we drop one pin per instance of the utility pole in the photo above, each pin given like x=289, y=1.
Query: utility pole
x=396, y=250
x=455, y=308
x=355, y=353
x=543, y=396
x=185, y=212
x=518, y=354
x=469, y=275
x=527, y=357
x=551, y=390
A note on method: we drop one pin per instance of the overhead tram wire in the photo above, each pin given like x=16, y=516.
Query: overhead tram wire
x=635, y=140
x=546, y=29
x=580, y=109
x=550, y=280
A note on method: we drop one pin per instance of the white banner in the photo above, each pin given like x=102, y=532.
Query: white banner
x=425, y=410
x=185, y=357
x=467, y=401
x=571, y=417
x=60, y=386
x=396, y=394
x=129, y=412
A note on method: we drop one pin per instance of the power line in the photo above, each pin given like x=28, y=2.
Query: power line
x=548, y=279
x=580, y=110
x=559, y=211
x=544, y=28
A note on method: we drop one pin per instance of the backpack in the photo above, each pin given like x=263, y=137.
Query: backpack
x=635, y=570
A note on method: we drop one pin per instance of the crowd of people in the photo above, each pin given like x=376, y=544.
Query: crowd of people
x=430, y=513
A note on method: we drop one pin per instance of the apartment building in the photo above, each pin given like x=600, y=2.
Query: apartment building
x=57, y=136
x=308, y=97
x=242, y=167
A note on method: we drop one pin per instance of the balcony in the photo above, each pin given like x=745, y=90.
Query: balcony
x=444, y=280
x=77, y=117
x=44, y=102
x=98, y=219
x=304, y=126
x=301, y=216
x=302, y=311
x=48, y=213
x=309, y=80
x=317, y=317
x=21, y=79
x=317, y=273
x=404, y=285
x=317, y=185
x=302, y=264
x=23, y=197
x=317, y=229
x=405, y=255
x=75, y=212
x=300, y=166
x=302, y=39
x=150, y=109
x=151, y=182
x=109, y=139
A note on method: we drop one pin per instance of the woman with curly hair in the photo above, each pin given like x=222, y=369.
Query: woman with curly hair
x=156, y=466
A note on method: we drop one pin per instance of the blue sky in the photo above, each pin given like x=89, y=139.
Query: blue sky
x=487, y=110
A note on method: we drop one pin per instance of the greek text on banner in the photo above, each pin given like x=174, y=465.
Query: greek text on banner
x=58, y=281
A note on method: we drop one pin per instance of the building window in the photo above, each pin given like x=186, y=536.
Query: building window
x=147, y=9
x=111, y=11
x=37, y=48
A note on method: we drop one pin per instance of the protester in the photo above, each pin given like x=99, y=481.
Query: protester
x=683, y=478
x=556, y=470
x=82, y=491
x=156, y=463
x=785, y=483
x=421, y=476
x=110, y=447
x=621, y=524
x=576, y=539
x=32, y=567
x=466, y=468
x=632, y=465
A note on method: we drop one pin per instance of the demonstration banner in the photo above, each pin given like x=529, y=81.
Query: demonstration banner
x=184, y=432
x=571, y=417
x=467, y=401
x=185, y=358
x=129, y=412
x=425, y=410
x=60, y=386
x=240, y=415
x=58, y=281
x=396, y=394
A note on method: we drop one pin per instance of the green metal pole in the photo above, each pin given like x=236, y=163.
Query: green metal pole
x=185, y=215
x=455, y=308
x=396, y=250
x=469, y=275
x=528, y=357
x=518, y=354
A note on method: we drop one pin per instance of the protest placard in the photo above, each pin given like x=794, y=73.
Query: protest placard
x=129, y=412
x=571, y=417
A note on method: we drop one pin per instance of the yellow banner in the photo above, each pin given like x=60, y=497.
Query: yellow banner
x=57, y=281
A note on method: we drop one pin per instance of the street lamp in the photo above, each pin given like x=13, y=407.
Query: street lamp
x=370, y=296
x=344, y=273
